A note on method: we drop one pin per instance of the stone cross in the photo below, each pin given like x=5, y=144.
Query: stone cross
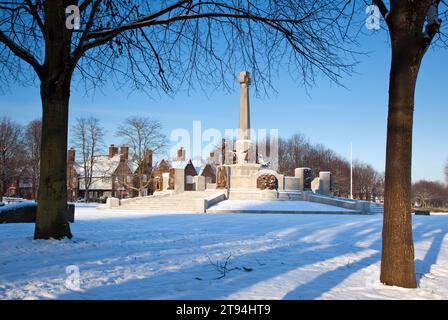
x=244, y=125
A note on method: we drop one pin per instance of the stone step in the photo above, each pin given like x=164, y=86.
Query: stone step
x=186, y=201
x=163, y=210
x=162, y=203
x=162, y=207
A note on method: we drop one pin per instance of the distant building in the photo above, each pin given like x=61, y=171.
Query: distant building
x=117, y=174
x=113, y=175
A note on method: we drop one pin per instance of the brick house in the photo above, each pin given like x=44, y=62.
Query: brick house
x=208, y=171
x=113, y=175
x=162, y=167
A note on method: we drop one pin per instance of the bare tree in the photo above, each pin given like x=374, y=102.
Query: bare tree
x=144, y=137
x=297, y=151
x=446, y=172
x=31, y=143
x=412, y=27
x=365, y=179
x=430, y=194
x=155, y=45
x=340, y=173
x=10, y=137
x=293, y=153
x=88, y=138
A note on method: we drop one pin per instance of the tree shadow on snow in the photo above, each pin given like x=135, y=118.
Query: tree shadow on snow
x=292, y=251
x=268, y=249
x=423, y=267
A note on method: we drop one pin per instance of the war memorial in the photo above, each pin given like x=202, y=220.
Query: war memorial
x=243, y=178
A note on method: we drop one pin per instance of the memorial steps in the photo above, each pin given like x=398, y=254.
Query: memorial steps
x=187, y=201
x=212, y=201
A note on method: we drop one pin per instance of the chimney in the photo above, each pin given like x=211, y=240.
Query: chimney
x=124, y=152
x=71, y=155
x=223, y=151
x=212, y=157
x=181, y=154
x=148, y=158
x=113, y=150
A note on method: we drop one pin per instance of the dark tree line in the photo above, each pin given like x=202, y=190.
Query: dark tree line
x=446, y=172
x=297, y=151
x=19, y=154
x=430, y=194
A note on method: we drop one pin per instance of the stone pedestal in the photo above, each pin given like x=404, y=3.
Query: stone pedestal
x=267, y=194
x=325, y=183
x=243, y=176
x=166, y=180
x=179, y=180
x=199, y=182
x=112, y=203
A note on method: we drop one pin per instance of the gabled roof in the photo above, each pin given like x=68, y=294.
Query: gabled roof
x=212, y=166
x=160, y=162
x=104, y=166
x=133, y=165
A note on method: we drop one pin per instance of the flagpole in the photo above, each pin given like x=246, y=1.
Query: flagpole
x=351, y=170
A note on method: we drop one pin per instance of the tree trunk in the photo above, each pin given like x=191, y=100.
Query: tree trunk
x=397, y=260
x=2, y=175
x=86, y=194
x=51, y=220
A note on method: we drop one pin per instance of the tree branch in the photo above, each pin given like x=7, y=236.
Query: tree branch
x=383, y=9
x=32, y=10
x=103, y=36
x=79, y=49
x=21, y=53
x=433, y=26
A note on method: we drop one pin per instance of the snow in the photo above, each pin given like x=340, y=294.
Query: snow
x=275, y=205
x=180, y=164
x=18, y=205
x=142, y=255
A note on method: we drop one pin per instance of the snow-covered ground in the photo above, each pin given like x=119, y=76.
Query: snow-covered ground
x=122, y=255
x=275, y=205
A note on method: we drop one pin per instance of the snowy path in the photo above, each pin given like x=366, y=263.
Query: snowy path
x=167, y=256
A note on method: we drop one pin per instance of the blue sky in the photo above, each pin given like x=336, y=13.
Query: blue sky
x=327, y=114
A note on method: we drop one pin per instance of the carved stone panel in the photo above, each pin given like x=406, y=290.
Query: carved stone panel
x=221, y=178
x=267, y=181
x=158, y=183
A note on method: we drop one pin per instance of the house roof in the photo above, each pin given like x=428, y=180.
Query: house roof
x=212, y=166
x=158, y=163
x=180, y=164
x=104, y=166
